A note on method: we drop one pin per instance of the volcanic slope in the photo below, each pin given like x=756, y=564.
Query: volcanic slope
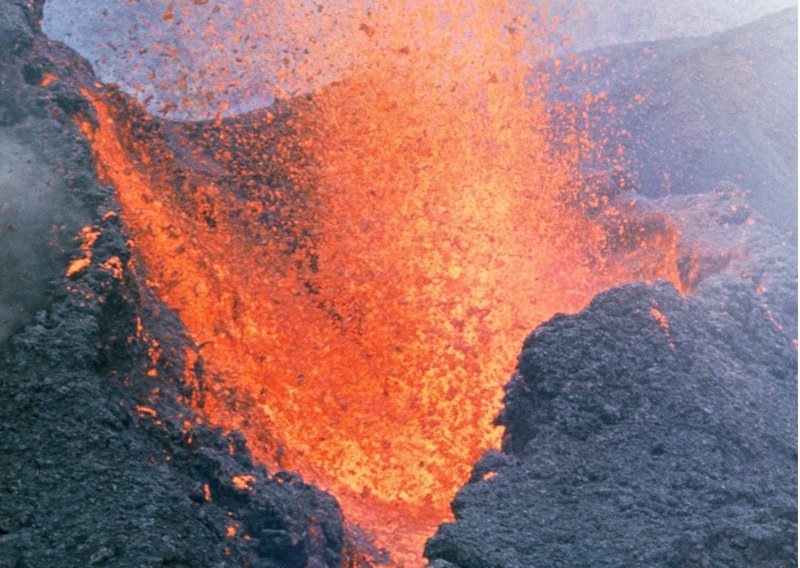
x=689, y=113
x=591, y=24
x=103, y=463
x=651, y=429
x=74, y=432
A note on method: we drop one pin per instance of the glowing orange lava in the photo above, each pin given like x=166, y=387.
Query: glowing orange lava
x=88, y=236
x=438, y=224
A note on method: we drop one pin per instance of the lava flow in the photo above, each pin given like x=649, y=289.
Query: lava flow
x=359, y=265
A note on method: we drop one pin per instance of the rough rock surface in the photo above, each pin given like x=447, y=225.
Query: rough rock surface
x=651, y=429
x=103, y=462
x=690, y=113
x=43, y=204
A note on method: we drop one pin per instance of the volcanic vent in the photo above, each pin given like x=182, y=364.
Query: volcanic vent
x=331, y=233
x=356, y=265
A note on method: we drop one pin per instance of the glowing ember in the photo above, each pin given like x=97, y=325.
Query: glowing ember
x=146, y=411
x=114, y=266
x=48, y=79
x=88, y=236
x=663, y=323
x=78, y=265
x=367, y=314
x=243, y=481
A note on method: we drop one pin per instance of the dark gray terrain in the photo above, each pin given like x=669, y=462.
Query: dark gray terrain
x=103, y=464
x=690, y=113
x=637, y=437
x=41, y=207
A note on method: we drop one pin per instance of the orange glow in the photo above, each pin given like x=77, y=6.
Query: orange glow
x=243, y=481
x=663, y=322
x=78, y=265
x=437, y=224
x=114, y=266
x=88, y=236
x=146, y=411
x=48, y=80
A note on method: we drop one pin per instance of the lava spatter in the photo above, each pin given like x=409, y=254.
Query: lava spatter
x=358, y=286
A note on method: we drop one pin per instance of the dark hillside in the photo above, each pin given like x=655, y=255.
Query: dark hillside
x=690, y=113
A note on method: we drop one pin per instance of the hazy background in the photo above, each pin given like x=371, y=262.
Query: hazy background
x=596, y=23
x=689, y=113
x=182, y=60
x=696, y=92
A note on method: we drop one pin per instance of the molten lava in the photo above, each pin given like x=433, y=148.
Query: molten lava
x=88, y=236
x=359, y=283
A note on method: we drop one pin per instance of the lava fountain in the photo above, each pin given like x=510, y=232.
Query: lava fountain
x=359, y=264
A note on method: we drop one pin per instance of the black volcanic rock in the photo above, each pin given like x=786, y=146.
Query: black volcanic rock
x=103, y=461
x=651, y=429
x=690, y=113
x=43, y=204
